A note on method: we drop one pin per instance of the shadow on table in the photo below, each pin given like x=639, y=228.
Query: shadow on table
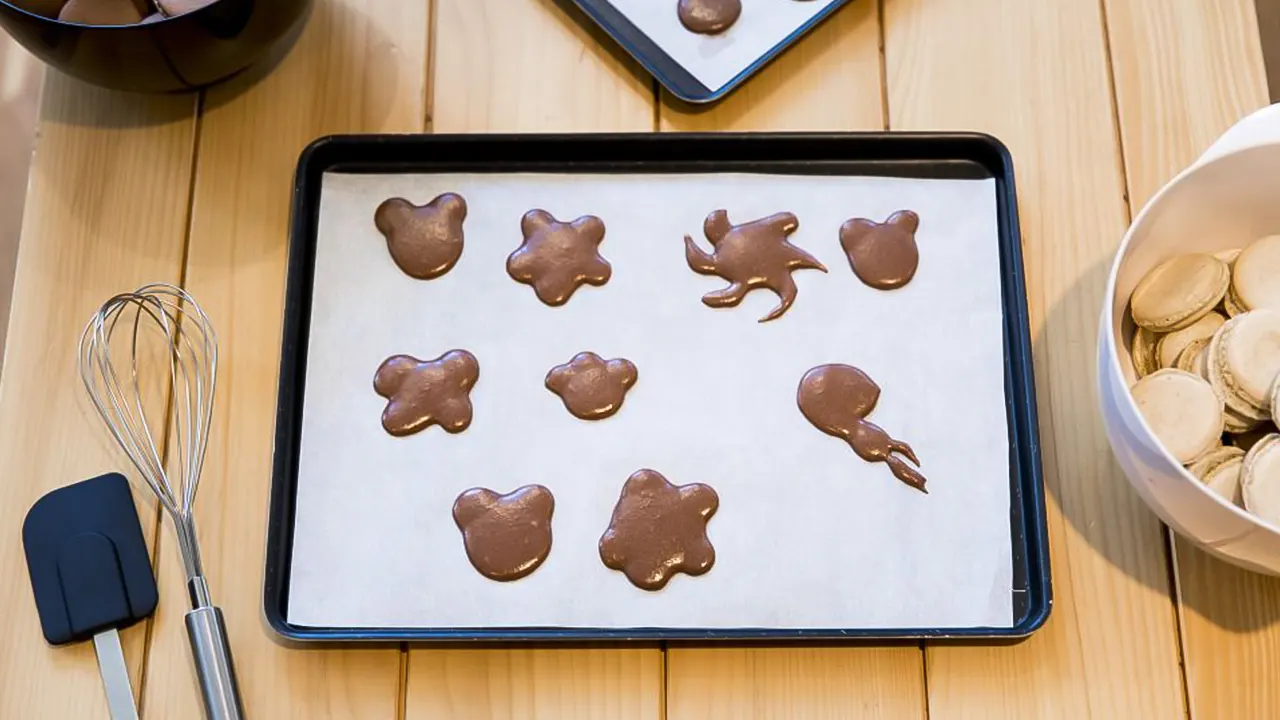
x=1091, y=490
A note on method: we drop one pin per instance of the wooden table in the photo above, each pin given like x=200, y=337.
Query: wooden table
x=1100, y=103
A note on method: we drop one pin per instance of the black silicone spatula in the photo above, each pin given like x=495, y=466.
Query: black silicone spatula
x=91, y=574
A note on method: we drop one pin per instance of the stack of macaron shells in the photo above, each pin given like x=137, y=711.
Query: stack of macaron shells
x=1206, y=351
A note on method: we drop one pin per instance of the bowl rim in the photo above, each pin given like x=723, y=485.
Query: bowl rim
x=1109, y=328
x=132, y=26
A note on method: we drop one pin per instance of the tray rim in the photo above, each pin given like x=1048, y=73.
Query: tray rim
x=1027, y=499
x=672, y=75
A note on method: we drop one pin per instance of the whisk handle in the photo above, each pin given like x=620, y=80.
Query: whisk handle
x=214, y=670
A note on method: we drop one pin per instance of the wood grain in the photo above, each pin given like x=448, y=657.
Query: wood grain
x=529, y=66
x=830, y=81
x=556, y=684
x=21, y=77
x=1035, y=75
x=359, y=67
x=1185, y=71
x=105, y=212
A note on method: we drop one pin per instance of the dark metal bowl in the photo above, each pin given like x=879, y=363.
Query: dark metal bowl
x=171, y=55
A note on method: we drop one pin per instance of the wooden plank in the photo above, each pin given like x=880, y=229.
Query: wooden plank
x=831, y=80
x=531, y=66
x=21, y=77
x=1035, y=74
x=106, y=210
x=1185, y=71
x=360, y=66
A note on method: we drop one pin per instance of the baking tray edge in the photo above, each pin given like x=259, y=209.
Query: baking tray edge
x=912, y=154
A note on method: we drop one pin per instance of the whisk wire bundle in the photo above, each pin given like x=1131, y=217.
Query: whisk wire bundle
x=113, y=371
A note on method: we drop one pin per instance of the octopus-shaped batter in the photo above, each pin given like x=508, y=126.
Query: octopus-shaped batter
x=837, y=399
x=752, y=255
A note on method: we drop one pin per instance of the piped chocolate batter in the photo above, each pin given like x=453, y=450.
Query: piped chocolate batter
x=101, y=12
x=709, y=17
x=557, y=258
x=425, y=241
x=882, y=255
x=423, y=393
x=506, y=536
x=837, y=399
x=750, y=256
x=591, y=388
x=659, y=529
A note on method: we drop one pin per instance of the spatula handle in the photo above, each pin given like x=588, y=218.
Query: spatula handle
x=214, y=669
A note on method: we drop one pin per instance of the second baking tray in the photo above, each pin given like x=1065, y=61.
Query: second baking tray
x=521, y=161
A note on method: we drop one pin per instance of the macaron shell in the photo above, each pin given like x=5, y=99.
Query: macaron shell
x=1223, y=382
x=1191, y=358
x=1255, y=278
x=1170, y=346
x=1179, y=291
x=1249, y=359
x=1236, y=423
x=1225, y=481
x=1143, y=351
x=1183, y=412
x=1260, y=479
x=1275, y=401
x=1232, y=303
x=1228, y=256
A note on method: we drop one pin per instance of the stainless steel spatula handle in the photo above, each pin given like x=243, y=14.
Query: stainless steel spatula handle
x=214, y=669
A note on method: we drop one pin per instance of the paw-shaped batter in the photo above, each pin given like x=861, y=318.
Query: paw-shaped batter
x=506, y=536
x=752, y=255
x=425, y=241
x=557, y=258
x=591, y=388
x=837, y=399
x=883, y=255
x=659, y=529
x=422, y=393
x=708, y=17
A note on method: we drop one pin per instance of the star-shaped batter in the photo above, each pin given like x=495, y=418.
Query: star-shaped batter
x=557, y=258
x=591, y=388
x=658, y=530
x=752, y=255
x=423, y=393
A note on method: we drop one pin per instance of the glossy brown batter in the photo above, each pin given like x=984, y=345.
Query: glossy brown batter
x=882, y=255
x=837, y=399
x=506, y=536
x=709, y=17
x=557, y=258
x=101, y=12
x=750, y=256
x=47, y=8
x=425, y=241
x=591, y=388
x=423, y=393
x=172, y=8
x=659, y=530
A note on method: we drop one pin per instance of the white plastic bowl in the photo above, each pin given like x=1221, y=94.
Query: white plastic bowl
x=1226, y=199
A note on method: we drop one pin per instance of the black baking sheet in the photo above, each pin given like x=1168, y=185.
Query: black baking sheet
x=916, y=155
x=671, y=74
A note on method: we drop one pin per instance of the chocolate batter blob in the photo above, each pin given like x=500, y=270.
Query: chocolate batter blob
x=506, y=536
x=837, y=399
x=752, y=255
x=557, y=258
x=591, y=388
x=425, y=241
x=882, y=255
x=709, y=17
x=101, y=12
x=659, y=529
x=422, y=393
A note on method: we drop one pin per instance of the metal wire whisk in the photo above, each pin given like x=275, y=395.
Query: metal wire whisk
x=164, y=327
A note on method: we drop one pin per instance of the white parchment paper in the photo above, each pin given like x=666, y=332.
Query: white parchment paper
x=716, y=59
x=807, y=535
